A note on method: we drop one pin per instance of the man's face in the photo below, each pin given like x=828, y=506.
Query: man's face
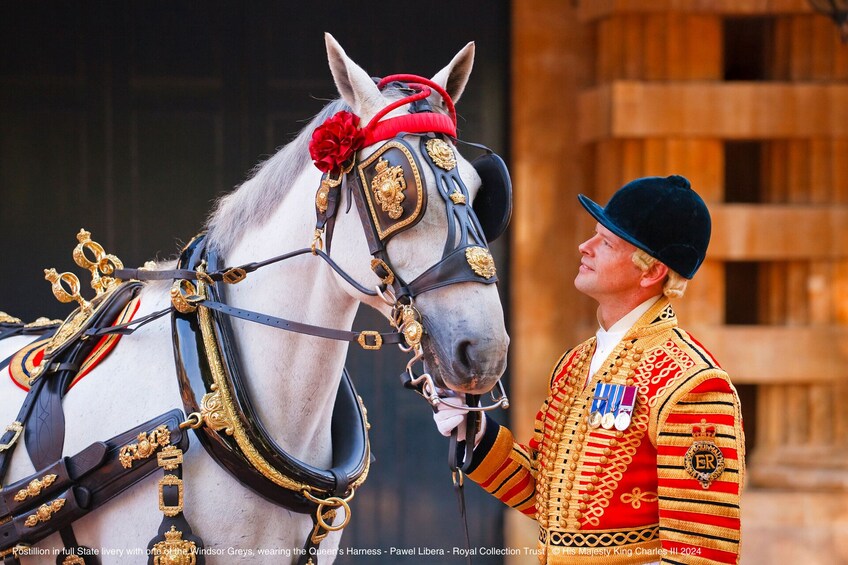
x=607, y=271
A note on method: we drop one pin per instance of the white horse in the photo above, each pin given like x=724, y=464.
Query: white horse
x=293, y=378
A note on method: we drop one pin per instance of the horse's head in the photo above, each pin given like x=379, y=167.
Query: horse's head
x=416, y=229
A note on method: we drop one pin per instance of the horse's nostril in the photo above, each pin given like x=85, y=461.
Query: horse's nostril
x=463, y=353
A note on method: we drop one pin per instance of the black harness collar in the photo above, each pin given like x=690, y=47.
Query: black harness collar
x=204, y=340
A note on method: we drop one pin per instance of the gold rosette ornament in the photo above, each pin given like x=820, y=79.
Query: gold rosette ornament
x=481, y=261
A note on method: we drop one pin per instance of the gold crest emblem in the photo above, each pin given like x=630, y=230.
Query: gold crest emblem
x=481, y=261
x=441, y=154
x=388, y=186
x=174, y=550
x=704, y=461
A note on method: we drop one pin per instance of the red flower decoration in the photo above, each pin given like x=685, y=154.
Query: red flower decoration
x=335, y=141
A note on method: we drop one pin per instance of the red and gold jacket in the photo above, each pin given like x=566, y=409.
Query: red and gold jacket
x=665, y=489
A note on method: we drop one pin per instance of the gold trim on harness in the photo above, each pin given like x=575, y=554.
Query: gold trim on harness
x=147, y=445
x=174, y=550
x=16, y=428
x=44, y=513
x=34, y=488
x=228, y=410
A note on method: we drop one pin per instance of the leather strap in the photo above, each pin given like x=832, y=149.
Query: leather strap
x=369, y=338
x=97, y=484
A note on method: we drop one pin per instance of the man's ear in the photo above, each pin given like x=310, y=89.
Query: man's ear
x=656, y=274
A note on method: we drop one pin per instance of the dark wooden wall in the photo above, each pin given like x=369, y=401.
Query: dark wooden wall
x=129, y=119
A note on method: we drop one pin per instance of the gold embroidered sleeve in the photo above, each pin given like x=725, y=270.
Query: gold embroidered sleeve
x=700, y=470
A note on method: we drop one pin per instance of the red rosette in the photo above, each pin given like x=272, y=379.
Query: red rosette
x=335, y=141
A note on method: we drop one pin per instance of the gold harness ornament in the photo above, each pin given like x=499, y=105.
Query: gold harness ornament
x=44, y=513
x=481, y=262
x=34, y=488
x=388, y=186
x=147, y=445
x=89, y=255
x=174, y=550
x=441, y=153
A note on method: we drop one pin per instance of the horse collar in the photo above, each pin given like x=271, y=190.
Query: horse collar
x=209, y=370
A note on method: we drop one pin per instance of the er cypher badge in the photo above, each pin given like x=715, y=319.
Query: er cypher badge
x=704, y=460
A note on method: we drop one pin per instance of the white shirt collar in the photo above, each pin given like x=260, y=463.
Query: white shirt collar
x=608, y=339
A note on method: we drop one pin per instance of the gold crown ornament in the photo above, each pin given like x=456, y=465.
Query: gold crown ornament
x=89, y=255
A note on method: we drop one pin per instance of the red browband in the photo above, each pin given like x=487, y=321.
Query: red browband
x=377, y=130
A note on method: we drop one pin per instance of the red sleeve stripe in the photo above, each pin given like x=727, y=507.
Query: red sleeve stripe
x=488, y=482
x=720, y=419
x=699, y=518
x=517, y=489
x=692, y=484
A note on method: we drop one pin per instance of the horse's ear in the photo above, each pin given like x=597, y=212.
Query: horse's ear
x=355, y=86
x=454, y=77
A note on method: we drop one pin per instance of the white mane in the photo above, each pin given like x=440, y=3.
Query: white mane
x=254, y=201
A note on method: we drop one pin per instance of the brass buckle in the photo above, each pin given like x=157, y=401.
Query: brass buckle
x=363, y=341
x=390, y=276
x=234, y=275
x=173, y=481
x=15, y=427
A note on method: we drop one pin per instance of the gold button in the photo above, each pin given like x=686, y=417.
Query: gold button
x=639, y=350
x=613, y=443
x=618, y=362
x=560, y=427
x=575, y=456
x=578, y=446
x=565, y=505
x=572, y=466
x=604, y=460
x=607, y=378
x=582, y=506
x=581, y=437
x=619, y=434
x=568, y=496
x=599, y=469
x=569, y=484
x=607, y=451
x=614, y=371
x=629, y=382
x=571, y=476
x=628, y=345
x=586, y=498
x=578, y=515
x=583, y=427
x=637, y=357
x=595, y=479
x=590, y=488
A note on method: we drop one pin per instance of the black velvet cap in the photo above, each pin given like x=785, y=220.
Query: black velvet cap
x=663, y=217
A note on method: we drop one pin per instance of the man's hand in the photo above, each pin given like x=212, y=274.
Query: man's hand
x=453, y=413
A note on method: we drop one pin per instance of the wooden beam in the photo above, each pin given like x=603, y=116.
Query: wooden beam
x=735, y=110
x=762, y=232
x=598, y=9
x=776, y=354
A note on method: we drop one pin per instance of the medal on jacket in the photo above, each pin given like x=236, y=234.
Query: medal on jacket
x=599, y=404
x=625, y=410
x=612, y=406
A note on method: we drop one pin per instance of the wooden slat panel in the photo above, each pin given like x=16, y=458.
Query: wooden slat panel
x=595, y=9
x=777, y=354
x=739, y=110
x=773, y=232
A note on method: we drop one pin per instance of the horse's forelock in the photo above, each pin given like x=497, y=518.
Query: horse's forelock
x=253, y=201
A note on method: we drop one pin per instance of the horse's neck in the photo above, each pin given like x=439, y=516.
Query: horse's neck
x=292, y=378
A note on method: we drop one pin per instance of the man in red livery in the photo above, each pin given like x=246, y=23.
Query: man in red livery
x=638, y=452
